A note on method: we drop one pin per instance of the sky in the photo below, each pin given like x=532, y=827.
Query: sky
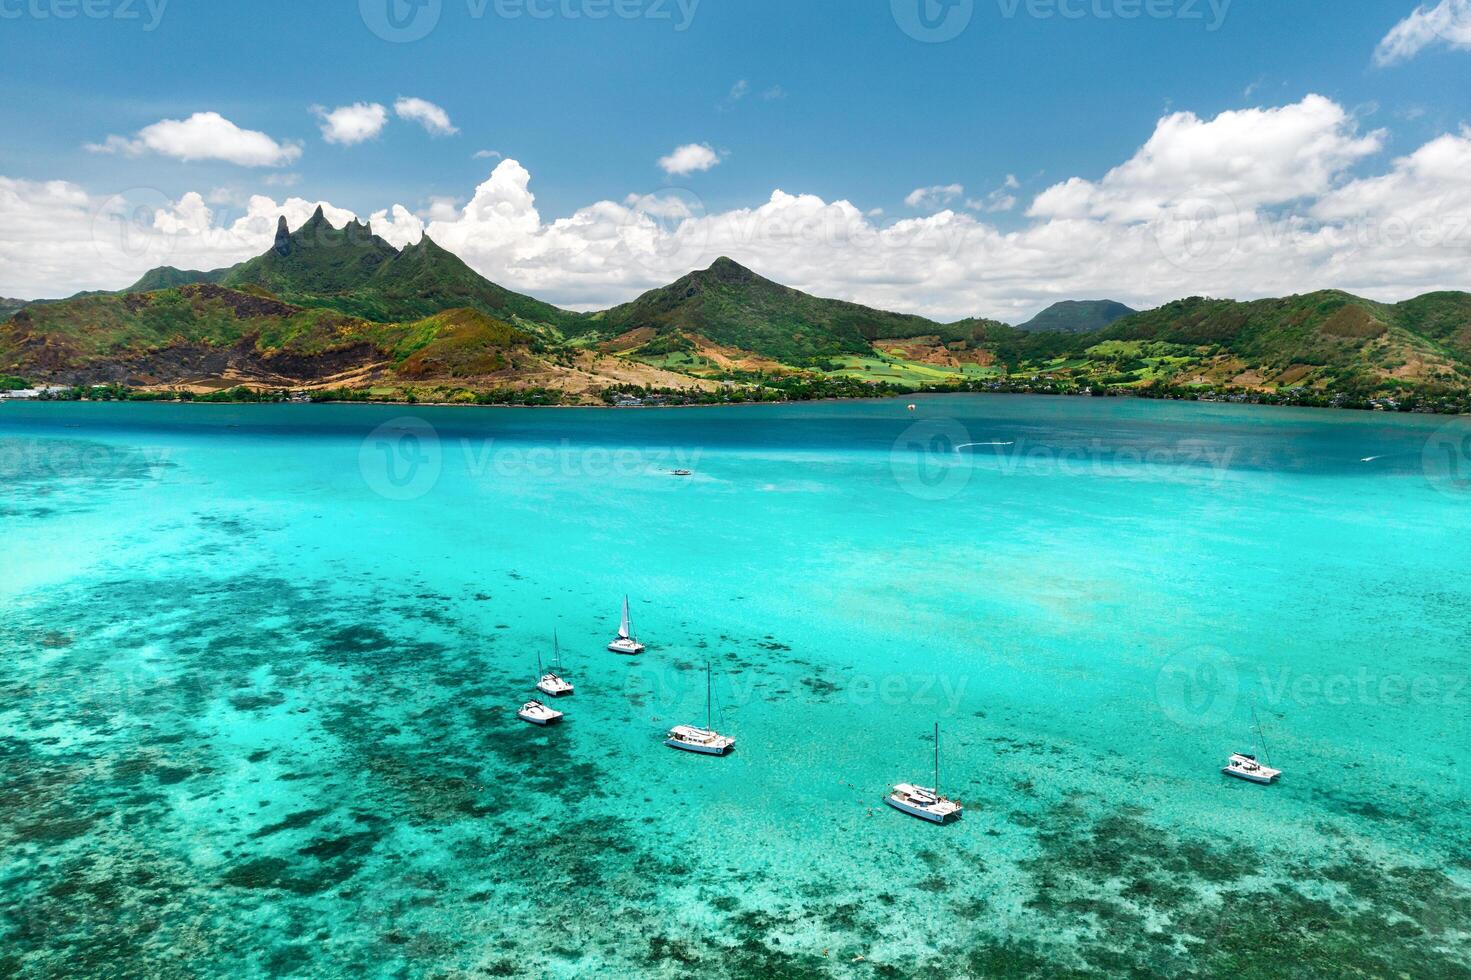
x=946, y=157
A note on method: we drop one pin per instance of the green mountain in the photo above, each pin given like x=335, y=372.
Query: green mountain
x=10, y=307
x=731, y=306
x=167, y=277
x=328, y=306
x=203, y=331
x=352, y=270
x=1077, y=316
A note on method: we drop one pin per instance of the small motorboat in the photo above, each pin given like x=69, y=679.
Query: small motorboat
x=627, y=642
x=682, y=472
x=924, y=803
x=539, y=714
x=702, y=741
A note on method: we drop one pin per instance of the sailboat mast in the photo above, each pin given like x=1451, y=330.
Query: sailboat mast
x=937, y=758
x=709, y=710
x=1261, y=739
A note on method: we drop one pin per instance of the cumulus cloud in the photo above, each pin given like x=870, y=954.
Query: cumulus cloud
x=349, y=125
x=934, y=198
x=1253, y=157
x=688, y=159
x=1291, y=227
x=1448, y=22
x=203, y=136
x=426, y=114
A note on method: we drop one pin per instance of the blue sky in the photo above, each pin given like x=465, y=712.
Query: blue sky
x=839, y=101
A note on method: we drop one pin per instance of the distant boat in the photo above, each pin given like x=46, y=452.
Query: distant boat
x=682, y=472
x=539, y=714
x=704, y=741
x=627, y=642
x=552, y=684
x=1247, y=766
x=924, y=803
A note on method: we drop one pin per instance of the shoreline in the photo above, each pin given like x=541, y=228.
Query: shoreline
x=1370, y=409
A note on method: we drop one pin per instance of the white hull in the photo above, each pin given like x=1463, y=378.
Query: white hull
x=542, y=721
x=536, y=713
x=699, y=741
x=924, y=804
x=555, y=687
x=675, y=743
x=1247, y=769
x=628, y=648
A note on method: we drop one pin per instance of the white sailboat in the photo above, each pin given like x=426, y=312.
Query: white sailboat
x=537, y=713
x=1247, y=766
x=552, y=684
x=627, y=642
x=703, y=741
x=925, y=803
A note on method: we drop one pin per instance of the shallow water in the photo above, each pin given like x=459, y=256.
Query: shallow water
x=259, y=668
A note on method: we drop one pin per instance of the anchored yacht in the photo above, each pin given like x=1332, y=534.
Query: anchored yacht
x=552, y=684
x=1247, y=765
x=925, y=803
x=539, y=714
x=627, y=642
x=704, y=741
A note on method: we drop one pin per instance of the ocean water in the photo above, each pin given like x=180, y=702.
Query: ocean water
x=259, y=668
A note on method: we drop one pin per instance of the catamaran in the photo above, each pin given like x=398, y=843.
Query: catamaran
x=704, y=741
x=627, y=642
x=552, y=683
x=1247, y=766
x=539, y=714
x=927, y=804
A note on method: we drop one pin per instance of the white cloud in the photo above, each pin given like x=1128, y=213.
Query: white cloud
x=1391, y=234
x=488, y=154
x=1252, y=157
x=1448, y=22
x=203, y=136
x=352, y=124
x=688, y=159
x=282, y=180
x=934, y=198
x=999, y=200
x=427, y=114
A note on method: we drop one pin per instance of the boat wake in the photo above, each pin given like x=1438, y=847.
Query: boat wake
x=969, y=445
x=1371, y=459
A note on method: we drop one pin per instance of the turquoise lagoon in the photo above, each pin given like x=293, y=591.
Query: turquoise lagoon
x=259, y=668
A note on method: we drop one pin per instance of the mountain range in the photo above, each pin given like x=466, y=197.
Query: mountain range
x=341, y=308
